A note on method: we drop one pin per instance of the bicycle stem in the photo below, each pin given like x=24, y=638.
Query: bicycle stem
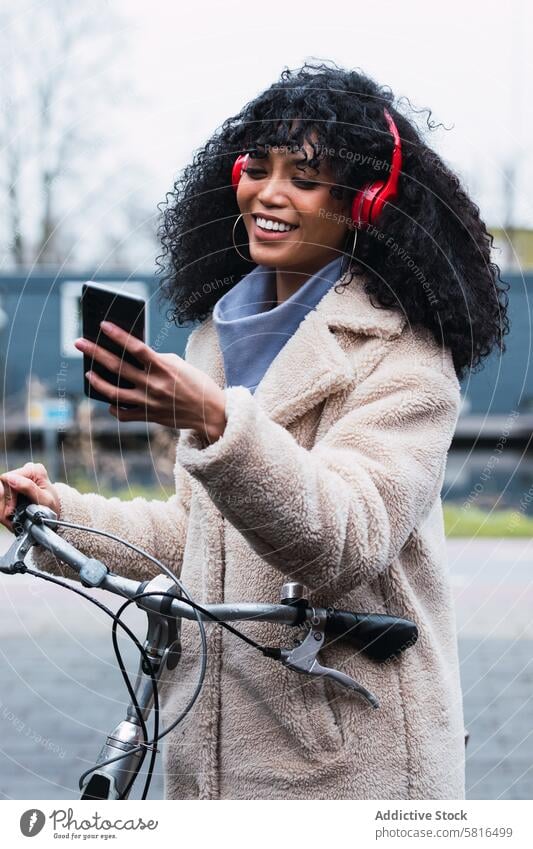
x=162, y=645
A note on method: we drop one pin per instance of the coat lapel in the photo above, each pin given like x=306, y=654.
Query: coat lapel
x=312, y=364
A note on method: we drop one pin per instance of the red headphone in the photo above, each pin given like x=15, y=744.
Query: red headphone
x=369, y=201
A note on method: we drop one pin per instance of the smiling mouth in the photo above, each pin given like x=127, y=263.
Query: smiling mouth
x=268, y=225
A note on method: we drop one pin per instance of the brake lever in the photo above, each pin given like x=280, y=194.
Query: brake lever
x=303, y=658
x=12, y=560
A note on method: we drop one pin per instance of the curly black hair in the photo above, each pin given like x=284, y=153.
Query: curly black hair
x=430, y=256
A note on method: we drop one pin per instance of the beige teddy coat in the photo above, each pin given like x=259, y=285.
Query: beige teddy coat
x=329, y=474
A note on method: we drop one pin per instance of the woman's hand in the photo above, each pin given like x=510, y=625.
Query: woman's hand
x=31, y=480
x=168, y=390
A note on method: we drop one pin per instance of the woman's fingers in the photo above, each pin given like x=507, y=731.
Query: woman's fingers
x=135, y=346
x=7, y=506
x=36, y=471
x=34, y=483
x=114, y=393
x=18, y=484
x=110, y=361
x=8, y=493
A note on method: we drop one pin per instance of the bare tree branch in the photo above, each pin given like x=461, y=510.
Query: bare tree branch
x=57, y=68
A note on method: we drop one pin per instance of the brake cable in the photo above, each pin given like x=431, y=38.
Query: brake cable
x=267, y=651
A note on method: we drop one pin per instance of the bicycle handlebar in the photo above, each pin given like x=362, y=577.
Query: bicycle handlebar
x=380, y=636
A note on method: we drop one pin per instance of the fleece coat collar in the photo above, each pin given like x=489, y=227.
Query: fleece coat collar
x=251, y=332
x=312, y=364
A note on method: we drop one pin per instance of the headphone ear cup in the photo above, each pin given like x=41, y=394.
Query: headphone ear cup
x=236, y=171
x=363, y=210
x=359, y=204
x=377, y=202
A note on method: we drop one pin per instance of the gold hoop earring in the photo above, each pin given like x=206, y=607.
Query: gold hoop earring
x=347, y=258
x=247, y=258
x=352, y=255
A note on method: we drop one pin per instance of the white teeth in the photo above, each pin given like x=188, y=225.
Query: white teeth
x=268, y=224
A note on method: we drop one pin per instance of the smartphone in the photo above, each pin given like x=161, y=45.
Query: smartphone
x=101, y=303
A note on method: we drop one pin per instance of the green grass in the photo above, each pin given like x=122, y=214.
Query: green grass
x=126, y=493
x=460, y=522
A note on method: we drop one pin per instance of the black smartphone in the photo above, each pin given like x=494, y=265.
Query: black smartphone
x=100, y=303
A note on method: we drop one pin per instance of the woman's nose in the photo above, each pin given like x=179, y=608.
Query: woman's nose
x=272, y=189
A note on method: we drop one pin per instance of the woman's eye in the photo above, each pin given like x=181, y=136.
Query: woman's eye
x=255, y=173
x=259, y=173
x=304, y=184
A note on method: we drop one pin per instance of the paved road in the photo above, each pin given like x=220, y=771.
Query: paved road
x=61, y=693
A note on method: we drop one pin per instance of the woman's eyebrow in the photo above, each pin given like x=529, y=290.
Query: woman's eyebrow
x=296, y=159
x=293, y=158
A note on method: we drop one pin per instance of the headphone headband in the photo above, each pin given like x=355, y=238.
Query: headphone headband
x=396, y=164
x=369, y=202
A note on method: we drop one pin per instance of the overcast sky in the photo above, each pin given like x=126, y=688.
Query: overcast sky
x=191, y=65
x=470, y=61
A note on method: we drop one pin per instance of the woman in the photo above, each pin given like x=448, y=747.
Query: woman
x=315, y=421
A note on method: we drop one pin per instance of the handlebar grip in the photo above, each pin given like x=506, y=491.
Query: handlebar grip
x=380, y=636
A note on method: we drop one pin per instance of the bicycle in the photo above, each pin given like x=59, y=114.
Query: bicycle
x=166, y=602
